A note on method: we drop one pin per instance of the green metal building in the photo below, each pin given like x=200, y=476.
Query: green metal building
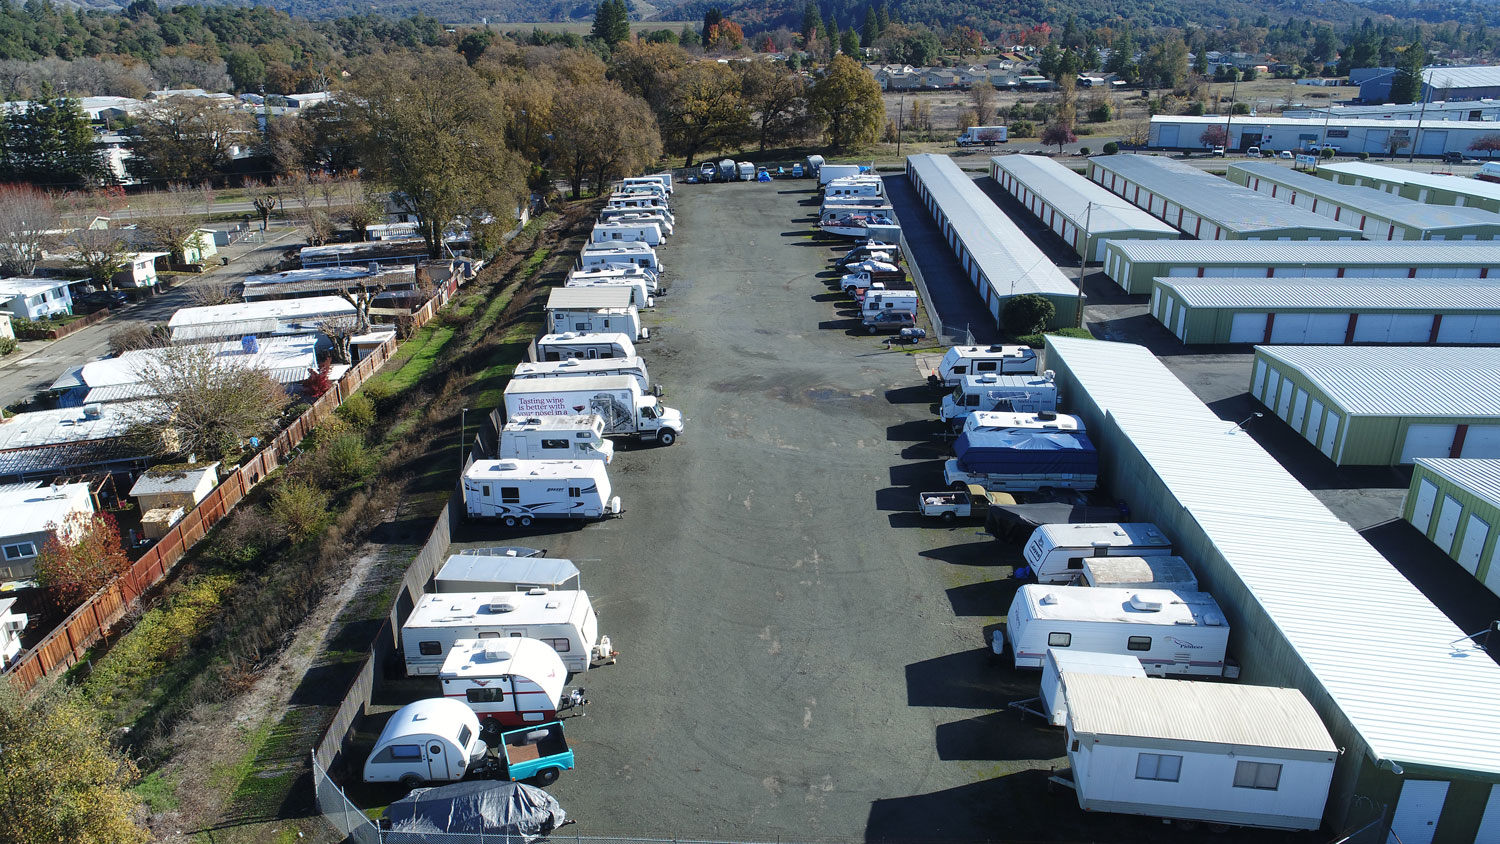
x=1456, y=503
x=1383, y=405
x=1431, y=188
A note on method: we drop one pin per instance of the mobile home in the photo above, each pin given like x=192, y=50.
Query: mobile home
x=1061, y=665
x=1160, y=572
x=635, y=367
x=502, y=572
x=959, y=361
x=555, y=438
x=433, y=740
x=564, y=620
x=518, y=491
x=1182, y=633
x=507, y=682
x=570, y=345
x=1055, y=553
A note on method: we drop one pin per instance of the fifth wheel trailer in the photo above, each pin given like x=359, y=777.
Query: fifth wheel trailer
x=517, y=492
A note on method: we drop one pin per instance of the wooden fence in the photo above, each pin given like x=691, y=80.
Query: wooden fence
x=87, y=625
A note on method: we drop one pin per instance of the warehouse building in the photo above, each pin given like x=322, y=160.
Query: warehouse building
x=1133, y=264
x=1431, y=188
x=1074, y=207
x=1000, y=260
x=1383, y=406
x=1430, y=138
x=1456, y=503
x=1310, y=604
x=1377, y=215
x=1207, y=207
x=1332, y=311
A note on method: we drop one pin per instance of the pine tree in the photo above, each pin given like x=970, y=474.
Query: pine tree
x=1406, y=85
x=620, y=23
x=713, y=17
x=812, y=24
x=871, y=29
x=882, y=17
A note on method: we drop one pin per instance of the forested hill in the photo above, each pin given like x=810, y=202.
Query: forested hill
x=450, y=11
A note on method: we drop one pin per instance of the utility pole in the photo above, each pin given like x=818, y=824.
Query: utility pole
x=1229, y=121
x=1088, y=213
x=900, y=124
x=1422, y=112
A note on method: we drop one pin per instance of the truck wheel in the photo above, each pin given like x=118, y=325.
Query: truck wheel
x=872, y=329
x=547, y=776
x=949, y=516
x=525, y=521
x=958, y=486
x=410, y=781
x=510, y=521
x=667, y=437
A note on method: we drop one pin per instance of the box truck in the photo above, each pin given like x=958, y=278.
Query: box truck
x=1055, y=553
x=564, y=620
x=959, y=361
x=627, y=410
x=507, y=682
x=555, y=438
x=585, y=367
x=991, y=392
x=517, y=492
x=1023, y=460
x=983, y=135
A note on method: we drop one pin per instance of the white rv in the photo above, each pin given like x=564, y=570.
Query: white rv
x=1055, y=553
x=643, y=190
x=1169, y=632
x=829, y=172
x=1062, y=664
x=639, y=202
x=634, y=232
x=507, y=682
x=564, y=620
x=433, y=740
x=555, y=438
x=604, y=254
x=998, y=420
x=1161, y=572
x=571, y=345
x=1221, y=754
x=619, y=272
x=856, y=186
x=637, y=217
x=1005, y=393
x=959, y=361
x=505, y=572
x=594, y=310
x=640, y=294
x=586, y=367
x=663, y=179
x=516, y=492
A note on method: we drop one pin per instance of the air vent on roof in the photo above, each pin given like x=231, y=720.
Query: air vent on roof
x=1049, y=375
x=1048, y=599
x=93, y=411
x=568, y=362
x=996, y=349
x=494, y=650
x=1138, y=602
x=537, y=590
x=501, y=606
x=1047, y=415
x=989, y=379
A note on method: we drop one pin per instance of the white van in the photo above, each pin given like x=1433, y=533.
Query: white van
x=433, y=740
x=1055, y=553
x=556, y=438
x=564, y=620
x=1182, y=633
x=507, y=682
x=635, y=367
x=516, y=492
x=571, y=345
x=959, y=361
x=503, y=570
x=1162, y=572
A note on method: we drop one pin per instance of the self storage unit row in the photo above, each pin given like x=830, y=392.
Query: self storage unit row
x=1001, y=261
x=1431, y=188
x=1207, y=207
x=1072, y=206
x=1382, y=406
x=1311, y=605
x=1457, y=504
x=1328, y=311
x=1351, y=136
x=1377, y=215
x=1134, y=263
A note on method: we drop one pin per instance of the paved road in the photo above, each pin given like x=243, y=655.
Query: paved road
x=952, y=295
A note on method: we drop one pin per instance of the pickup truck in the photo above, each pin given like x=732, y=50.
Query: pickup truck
x=867, y=273
x=539, y=753
x=950, y=506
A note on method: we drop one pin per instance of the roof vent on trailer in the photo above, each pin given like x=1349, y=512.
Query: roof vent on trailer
x=1049, y=375
x=568, y=362
x=998, y=349
x=990, y=378
x=1137, y=602
x=537, y=590
x=1047, y=415
x=495, y=650
x=500, y=605
x=1048, y=600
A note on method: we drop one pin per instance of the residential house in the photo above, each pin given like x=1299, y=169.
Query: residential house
x=1037, y=83
x=261, y=319
x=139, y=270
x=104, y=383
x=35, y=298
x=939, y=77
x=12, y=624
x=47, y=444
x=34, y=515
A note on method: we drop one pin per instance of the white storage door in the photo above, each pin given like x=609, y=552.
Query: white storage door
x=1259, y=387
x=1182, y=272
x=1227, y=272
x=1179, y=319
x=1309, y=328
x=1417, y=811
x=1481, y=441
x=1299, y=410
x=1314, y=421
x=1459, y=328
x=1476, y=531
x=1393, y=328
x=1273, y=381
x=1433, y=142
x=1247, y=328
x=1447, y=524
x=1157, y=298
x=1330, y=433
x=1492, y=580
x=1284, y=401
x=1427, y=441
x=1421, y=514
x=1489, y=822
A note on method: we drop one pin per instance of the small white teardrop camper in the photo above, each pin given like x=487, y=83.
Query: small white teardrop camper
x=433, y=740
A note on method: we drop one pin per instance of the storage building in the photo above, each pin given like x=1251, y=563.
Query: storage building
x=1431, y=188
x=1351, y=136
x=1072, y=206
x=1336, y=311
x=1207, y=207
x=1312, y=605
x=1000, y=259
x=1378, y=216
x=1382, y=406
x=1456, y=503
x=1134, y=263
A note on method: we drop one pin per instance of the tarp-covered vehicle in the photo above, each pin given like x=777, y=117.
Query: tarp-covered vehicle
x=473, y=808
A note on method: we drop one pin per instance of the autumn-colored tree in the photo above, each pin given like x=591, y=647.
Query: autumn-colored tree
x=704, y=110
x=1214, y=136
x=317, y=381
x=60, y=777
x=1058, y=133
x=724, y=36
x=849, y=100
x=173, y=218
x=767, y=45
x=1486, y=143
x=82, y=555
x=966, y=40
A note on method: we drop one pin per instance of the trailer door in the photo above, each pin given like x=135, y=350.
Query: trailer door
x=1447, y=523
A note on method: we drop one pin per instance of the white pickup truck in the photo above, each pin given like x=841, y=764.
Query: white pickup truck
x=952, y=505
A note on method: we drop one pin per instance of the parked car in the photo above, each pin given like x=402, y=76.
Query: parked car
x=708, y=172
x=1218, y=151
x=98, y=300
x=1286, y=153
x=797, y=171
x=1252, y=152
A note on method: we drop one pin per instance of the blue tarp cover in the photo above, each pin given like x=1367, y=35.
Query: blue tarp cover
x=1026, y=452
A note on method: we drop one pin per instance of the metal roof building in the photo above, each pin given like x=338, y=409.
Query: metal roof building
x=1456, y=503
x=1350, y=135
x=1431, y=188
x=1132, y=264
x=45, y=444
x=1000, y=259
x=588, y=298
x=1311, y=605
x=1336, y=311
x=1377, y=215
x=1207, y=207
x=1382, y=406
x=1072, y=206
x=276, y=316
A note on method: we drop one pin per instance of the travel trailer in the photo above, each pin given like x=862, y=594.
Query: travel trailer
x=620, y=232
x=1062, y=663
x=605, y=254
x=585, y=367
x=571, y=345
x=1055, y=553
x=1159, y=572
x=627, y=410
x=433, y=740
x=640, y=295
x=594, y=310
x=663, y=179
x=637, y=216
x=959, y=361
x=829, y=172
x=555, y=438
x=507, y=681
x=619, y=272
x=858, y=186
x=564, y=620
x=991, y=392
x=517, y=492
x=502, y=572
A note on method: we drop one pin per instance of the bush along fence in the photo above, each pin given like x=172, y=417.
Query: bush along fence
x=31, y=331
x=86, y=626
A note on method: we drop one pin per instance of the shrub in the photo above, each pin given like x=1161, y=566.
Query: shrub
x=1022, y=129
x=342, y=459
x=1101, y=113
x=1240, y=108
x=1196, y=108
x=378, y=392
x=358, y=410
x=139, y=336
x=1364, y=156
x=300, y=507
x=1111, y=148
x=1038, y=340
x=1084, y=150
x=1327, y=153
x=8, y=345
x=1027, y=314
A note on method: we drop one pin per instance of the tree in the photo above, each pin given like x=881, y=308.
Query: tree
x=1027, y=314
x=29, y=221
x=81, y=556
x=812, y=24
x=203, y=404
x=603, y=133
x=1406, y=84
x=435, y=133
x=101, y=252
x=778, y=99
x=966, y=41
x=611, y=23
x=476, y=41
x=915, y=45
x=351, y=203
x=1484, y=143
x=1214, y=136
x=982, y=96
x=1099, y=109
x=173, y=218
x=62, y=777
x=849, y=100
x=265, y=198
x=1059, y=133
x=724, y=35
x=647, y=70
x=246, y=69
x=871, y=29
x=1165, y=65
x=185, y=139
x=703, y=110
x=849, y=43
x=50, y=143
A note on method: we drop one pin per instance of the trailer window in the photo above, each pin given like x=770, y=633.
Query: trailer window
x=1059, y=640
x=403, y=752
x=575, y=492
x=1262, y=775
x=464, y=734
x=960, y=370
x=510, y=495
x=562, y=444
x=1138, y=643
x=562, y=646
x=1158, y=766
x=985, y=366
x=486, y=490
x=430, y=648
x=485, y=695
x=489, y=634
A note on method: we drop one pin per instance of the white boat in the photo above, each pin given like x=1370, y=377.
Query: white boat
x=855, y=225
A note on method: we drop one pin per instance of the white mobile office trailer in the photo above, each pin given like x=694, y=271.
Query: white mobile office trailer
x=627, y=410
x=591, y=310
x=640, y=294
x=959, y=361
x=604, y=254
x=564, y=620
x=433, y=740
x=516, y=492
x=648, y=233
x=992, y=392
x=503, y=573
x=555, y=438
x=1055, y=553
x=1061, y=664
x=635, y=367
x=507, y=682
x=1169, y=632
x=1211, y=752
x=571, y=345
x=1163, y=572
x=829, y=172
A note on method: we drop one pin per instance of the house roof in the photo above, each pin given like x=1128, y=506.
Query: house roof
x=1480, y=477
x=13, y=287
x=1078, y=198
x=162, y=480
x=31, y=511
x=68, y=425
x=1370, y=201
x=1404, y=381
x=287, y=359
x=1337, y=294
x=265, y=317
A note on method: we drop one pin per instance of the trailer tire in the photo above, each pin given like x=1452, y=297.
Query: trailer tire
x=489, y=728
x=411, y=781
x=547, y=776
x=667, y=437
x=510, y=521
x=525, y=521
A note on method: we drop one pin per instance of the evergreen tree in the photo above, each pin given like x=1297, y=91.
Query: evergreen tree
x=849, y=43
x=812, y=23
x=713, y=17
x=689, y=36
x=871, y=29
x=611, y=22
x=1406, y=85
x=51, y=144
x=882, y=18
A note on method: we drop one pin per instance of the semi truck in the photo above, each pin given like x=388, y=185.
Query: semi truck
x=627, y=410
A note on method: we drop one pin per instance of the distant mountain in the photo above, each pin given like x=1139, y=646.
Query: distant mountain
x=448, y=11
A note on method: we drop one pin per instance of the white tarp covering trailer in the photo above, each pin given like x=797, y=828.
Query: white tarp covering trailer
x=507, y=682
x=1226, y=755
x=1160, y=572
x=432, y=740
x=1055, y=553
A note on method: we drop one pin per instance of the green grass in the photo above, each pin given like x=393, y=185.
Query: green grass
x=417, y=356
x=157, y=791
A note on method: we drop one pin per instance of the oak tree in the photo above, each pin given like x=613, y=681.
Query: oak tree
x=848, y=99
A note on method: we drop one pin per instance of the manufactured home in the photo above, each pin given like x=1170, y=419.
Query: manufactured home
x=1055, y=553
x=570, y=345
x=507, y=682
x=564, y=620
x=635, y=367
x=518, y=491
x=1158, y=572
x=433, y=740
x=959, y=361
x=1179, y=633
x=555, y=438
x=505, y=571
x=590, y=310
x=1062, y=664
